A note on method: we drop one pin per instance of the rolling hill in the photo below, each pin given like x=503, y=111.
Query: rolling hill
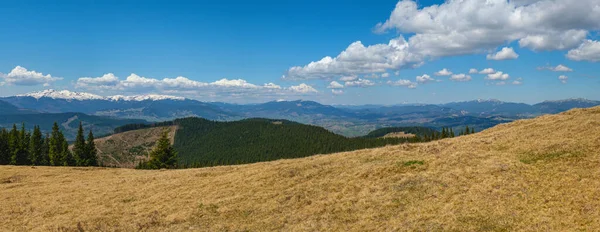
x=200, y=142
x=529, y=175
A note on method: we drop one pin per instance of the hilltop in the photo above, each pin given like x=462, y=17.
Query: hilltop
x=534, y=174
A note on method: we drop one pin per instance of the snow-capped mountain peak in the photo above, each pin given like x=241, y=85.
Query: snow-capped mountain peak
x=62, y=94
x=153, y=97
x=81, y=96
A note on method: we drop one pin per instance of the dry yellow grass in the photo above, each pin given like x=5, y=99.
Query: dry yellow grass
x=530, y=175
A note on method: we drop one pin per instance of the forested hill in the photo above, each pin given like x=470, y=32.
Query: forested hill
x=201, y=142
x=415, y=130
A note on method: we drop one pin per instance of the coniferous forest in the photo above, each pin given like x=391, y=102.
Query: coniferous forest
x=23, y=147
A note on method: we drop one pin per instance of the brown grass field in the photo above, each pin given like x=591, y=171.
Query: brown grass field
x=400, y=134
x=541, y=174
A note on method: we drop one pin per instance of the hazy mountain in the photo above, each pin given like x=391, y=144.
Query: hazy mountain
x=493, y=107
x=552, y=107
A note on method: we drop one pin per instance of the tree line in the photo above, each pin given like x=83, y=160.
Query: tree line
x=22, y=147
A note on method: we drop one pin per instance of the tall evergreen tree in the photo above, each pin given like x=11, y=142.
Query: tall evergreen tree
x=91, y=151
x=163, y=155
x=18, y=146
x=4, y=147
x=451, y=132
x=36, y=143
x=79, y=148
x=44, y=158
x=55, y=146
x=67, y=156
x=467, y=130
x=472, y=130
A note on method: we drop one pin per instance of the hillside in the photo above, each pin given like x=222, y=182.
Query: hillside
x=200, y=142
x=535, y=175
x=128, y=148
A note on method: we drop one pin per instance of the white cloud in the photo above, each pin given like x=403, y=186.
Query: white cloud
x=473, y=71
x=337, y=91
x=397, y=73
x=498, y=76
x=554, y=40
x=335, y=85
x=239, y=83
x=424, y=79
x=303, y=88
x=518, y=81
x=21, y=76
x=505, y=54
x=563, y=79
x=385, y=75
x=349, y=78
x=558, y=68
x=589, y=50
x=487, y=71
x=473, y=26
x=443, y=72
x=271, y=86
x=460, y=77
x=403, y=82
x=359, y=83
x=358, y=59
x=372, y=76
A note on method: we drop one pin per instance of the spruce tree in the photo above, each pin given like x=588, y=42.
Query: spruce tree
x=472, y=130
x=451, y=132
x=163, y=155
x=36, y=144
x=79, y=148
x=55, y=146
x=15, y=145
x=44, y=158
x=467, y=130
x=4, y=147
x=91, y=151
x=67, y=156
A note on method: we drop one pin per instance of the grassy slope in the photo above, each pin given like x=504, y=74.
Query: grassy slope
x=538, y=174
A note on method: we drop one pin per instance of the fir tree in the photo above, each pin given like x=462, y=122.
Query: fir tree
x=467, y=130
x=91, y=151
x=67, y=156
x=36, y=143
x=451, y=132
x=18, y=150
x=44, y=158
x=163, y=155
x=4, y=147
x=55, y=146
x=472, y=130
x=79, y=148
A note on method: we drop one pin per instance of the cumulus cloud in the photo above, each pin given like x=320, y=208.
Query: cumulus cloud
x=558, y=68
x=588, y=51
x=303, y=88
x=460, y=77
x=497, y=76
x=402, y=82
x=443, y=72
x=337, y=91
x=359, y=83
x=335, y=85
x=505, y=54
x=349, y=78
x=385, y=75
x=21, y=76
x=563, y=79
x=184, y=86
x=473, y=71
x=471, y=26
x=424, y=79
x=358, y=59
x=487, y=71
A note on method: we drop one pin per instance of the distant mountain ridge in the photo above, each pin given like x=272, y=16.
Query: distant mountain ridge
x=348, y=120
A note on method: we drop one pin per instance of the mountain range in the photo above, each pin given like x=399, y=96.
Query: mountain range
x=345, y=120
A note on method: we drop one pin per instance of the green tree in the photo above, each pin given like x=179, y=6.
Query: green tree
x=66, y=155
x=91, y=151
x=18, y=146
x=5, y=152
x=36, y=143
x=451, y=132
x=79, y=148
x=44, y=158
x=55, y=146
x=163, y=155
x=467, y=130
x=472, y=130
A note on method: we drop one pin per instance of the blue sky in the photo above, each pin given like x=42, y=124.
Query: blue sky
x=241, y=51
